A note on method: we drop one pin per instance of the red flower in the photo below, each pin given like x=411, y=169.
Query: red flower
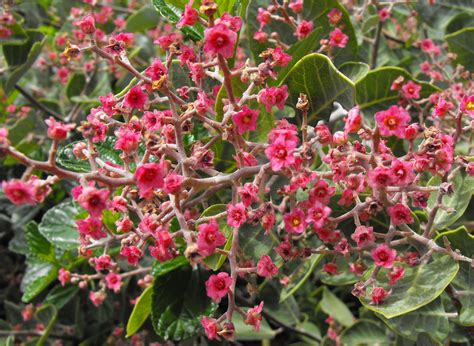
x=254, y=316
x=411, y=90
x=273, y=96
x=58, y=130
x=467, y=105
x=209, y=237
x=94, y=200
x=86, y=24
x=321, y=192
x=113, y=281
x=384, y=256
x=399, y=214
x=396, y=274
x=189, y=17
x=135, y=98
x=19, y=192
x=236, y=215
x=150, y=176
x=266, y=267
x=334, y=16
x=393, y=121
x=379, y=294
x=363, y=235
x=295, y=221
x=245, y=120
x=304, y=29
x=220, y=40
x=211, y=327
x=337, y=38
x=218, y=285
x=91, y=227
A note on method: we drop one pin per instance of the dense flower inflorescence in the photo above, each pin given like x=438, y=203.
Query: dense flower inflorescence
x=341, y=189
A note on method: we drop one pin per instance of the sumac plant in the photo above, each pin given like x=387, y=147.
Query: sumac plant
x=232, y=171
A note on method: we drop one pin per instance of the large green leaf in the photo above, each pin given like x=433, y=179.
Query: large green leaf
x=430, y=319
x=364, y=332
x=38, y=246
x=244, y=332
x=22, y=57
x=420, y=286
x=178, y=302
x=316, y=76
x=300, y=278
x=75, y=85
x=215, y=261
x=254, y=242
x=37, y=277
x=58, y=226
x=463, y=241
x=334, y=307
x=59, y=296
x=140, y=312
x=106, y=150
x=142, y=20
x=463, y=185
x=373, y=91
x=462, y=43
x=163, y=268
x=354, y=70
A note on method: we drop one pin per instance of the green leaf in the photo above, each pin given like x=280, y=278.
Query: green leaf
x=344, y=277
x=37, y=277
x=215, y=261
x=317, y=77
x=420, y=286
x=463, y=185
x=48, y=316
x=364, y=332
x=173, y=14
x=22, y=57
x=58, y=226
x=298, y=280
x=334, y=307
x=76, y=84
x=59, y=296
x=163, y=268
x=373, y=91
x=460, y=21
x=178, y=302
x=463, y=241
x=461, y=43
x=254, y=242
x=142, y=20
x=140, y=312
x=106, y=150
x=244, y=332
x=430, y=319
x=354, y=70
x=38, y=246
x=287, y=312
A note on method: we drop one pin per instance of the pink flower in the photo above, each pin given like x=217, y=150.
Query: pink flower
x=156, y=70
x=296, y=6
x=428, y=46
x=280, y=58
x=280, y=153
x=273, y=96
x=381, y=177
x=402, y=172
x=295, y=221
x=442, y=108
x=318, y=214
x=164, y=249
x=378, y=295
x=384, y=256
x=411, y=90
x=94, y=200
x=209, y=237
x=211, y=328
x=334, y=16
x=135, y=98
x=132, y=253
x=220, y=40
x=97, y=298
x=173, y=183
x=337, y=38
x=103, y=262
x=86, y=24
x=19, y=192
x=91, y=227
x=396, y=274
x=254, y=316
x=467, y=105
x=384, y=14
x=189, y=17
x=58, y=130
x=233, y=23
x=363, y=235
x=245, y=120
x=321, y=192
x=353, y=121
x=304, y=29
x=64, y=276
x=113, y=281
x=153, y=121
x=218, y=285
x=400, y=214
x=264, y=17
x=150, y=176
x=266, y=267
x=236, y=215
x=330, y=268
x=127, y=140
x=248, y=194
x=260, y=36
x=393, y=121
